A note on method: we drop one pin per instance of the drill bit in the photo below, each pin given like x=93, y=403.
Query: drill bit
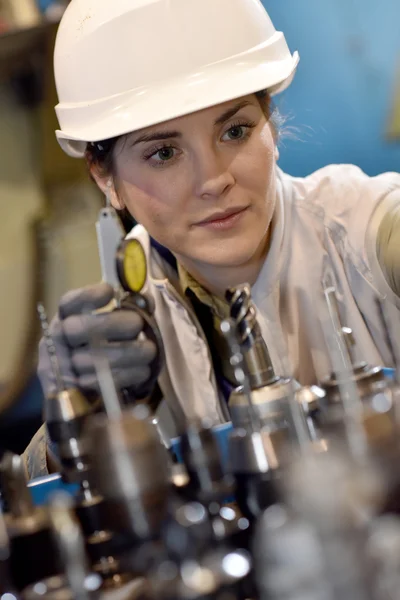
x=51, y=349
x=238, y=363
x=243, y=314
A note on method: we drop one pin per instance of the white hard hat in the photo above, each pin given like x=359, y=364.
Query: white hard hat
x=121, y=65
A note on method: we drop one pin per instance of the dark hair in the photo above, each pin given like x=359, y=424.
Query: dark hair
x=101, y=154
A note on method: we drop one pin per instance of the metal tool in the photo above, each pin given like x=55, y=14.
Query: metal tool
x=75, y=581
x=334, y=496
x=217, y=575
x=110, y=233
x=66, y=414
x=131, y=467
x=272, y=397
x=242, y=311
x=131, y=471
x=123, y=266
x=66, y=411
x=359, y=405
x=31, y=548
x=201, y=556
x=287, y=558
x=71, y=547
x=6, y=586
x=208, y=483
x=255, y=450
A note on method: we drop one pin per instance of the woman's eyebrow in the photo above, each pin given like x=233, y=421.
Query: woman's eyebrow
x=167, y=135
x=157, y=135
x=231, y=112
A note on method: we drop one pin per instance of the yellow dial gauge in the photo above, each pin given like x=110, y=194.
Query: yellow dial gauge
x=131, y=265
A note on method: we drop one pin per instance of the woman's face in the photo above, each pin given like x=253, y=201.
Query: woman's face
x=202, y=185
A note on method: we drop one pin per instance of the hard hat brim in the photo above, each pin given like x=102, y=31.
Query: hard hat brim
x=135, y=109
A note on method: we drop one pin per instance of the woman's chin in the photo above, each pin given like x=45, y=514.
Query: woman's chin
x=233, y=256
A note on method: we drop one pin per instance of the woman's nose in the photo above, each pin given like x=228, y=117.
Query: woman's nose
x=213, y=177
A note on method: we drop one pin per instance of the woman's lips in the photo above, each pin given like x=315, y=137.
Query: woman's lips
x=222, y=223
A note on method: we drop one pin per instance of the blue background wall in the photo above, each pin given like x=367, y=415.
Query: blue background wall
x=343, y=92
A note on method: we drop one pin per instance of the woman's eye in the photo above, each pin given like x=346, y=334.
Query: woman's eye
x=160, y=155
x=164, y=154
x=236, y=133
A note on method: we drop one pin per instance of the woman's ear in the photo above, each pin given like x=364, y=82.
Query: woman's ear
x=106, y=185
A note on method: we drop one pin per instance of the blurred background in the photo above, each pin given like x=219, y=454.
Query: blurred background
x=344, y=106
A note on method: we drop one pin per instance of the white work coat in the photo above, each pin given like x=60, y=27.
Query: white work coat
x=330, y=217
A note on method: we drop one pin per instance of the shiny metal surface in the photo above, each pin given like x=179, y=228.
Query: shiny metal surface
x=128, y=455
x=71, y=546
x=68, y=405
x=27, y=524
x=255, y=351
x=14, y=484
x=271, y=404
x=309, y=397
x=131, y=469
x=366, y=377
x=57, y=588
x=258, y=452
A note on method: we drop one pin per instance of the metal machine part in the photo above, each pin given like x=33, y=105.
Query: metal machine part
x=125, y=448
x=131, y=470
x=256, y=355
x=71, y=547
x=255, y=451
x=360, y=404
x=66, y=414
x=110, y=233
x=271, y=403
x=188, y=532
x=216, y=576
x=54, y=588
x=335, y=496
x=315, y=544
x=57, y=588
x=287, y=559
x=368, y=379
x=208, y=483
x=316, y=516
x=31, y=547
x=311, y=398
x=6, y=585
x=272, y=397
x=256, y=463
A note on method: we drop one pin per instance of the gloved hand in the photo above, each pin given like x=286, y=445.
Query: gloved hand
x=72, y=331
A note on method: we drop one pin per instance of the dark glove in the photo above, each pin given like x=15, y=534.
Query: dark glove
x=73, y=330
